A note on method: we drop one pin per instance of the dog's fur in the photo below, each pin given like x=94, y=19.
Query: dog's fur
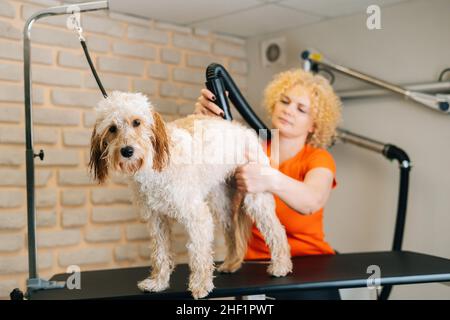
x=197, y=195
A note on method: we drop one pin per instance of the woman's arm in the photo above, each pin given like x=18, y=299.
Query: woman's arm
x=304, y=197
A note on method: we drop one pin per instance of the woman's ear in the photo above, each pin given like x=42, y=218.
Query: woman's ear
x=97, y=164
x=160, y=142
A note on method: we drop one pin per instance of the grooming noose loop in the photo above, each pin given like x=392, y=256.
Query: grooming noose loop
x=75, y=22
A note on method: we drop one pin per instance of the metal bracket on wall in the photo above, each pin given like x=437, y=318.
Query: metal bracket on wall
x=439, y=102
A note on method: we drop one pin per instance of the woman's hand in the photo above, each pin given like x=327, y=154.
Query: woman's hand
x=254, y=177
x=204, y=104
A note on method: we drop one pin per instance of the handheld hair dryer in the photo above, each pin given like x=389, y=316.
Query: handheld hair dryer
x=217, y=81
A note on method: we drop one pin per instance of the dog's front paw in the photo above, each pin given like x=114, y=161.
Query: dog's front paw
x=280, y=268
x=201, y=290
x=152, y=285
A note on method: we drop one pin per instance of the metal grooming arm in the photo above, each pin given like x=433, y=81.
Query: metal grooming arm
x=34, y=282
x=429, y=87
x=391, y=152
x=439, y=102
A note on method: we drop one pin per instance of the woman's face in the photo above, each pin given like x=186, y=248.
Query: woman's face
x=292, y=113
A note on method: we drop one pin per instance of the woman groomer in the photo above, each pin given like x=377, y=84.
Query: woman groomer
x=306, y=111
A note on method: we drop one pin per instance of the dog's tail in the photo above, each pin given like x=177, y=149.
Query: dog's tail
x=242, y=225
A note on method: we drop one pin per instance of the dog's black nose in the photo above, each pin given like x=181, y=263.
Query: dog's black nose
x=126, y=151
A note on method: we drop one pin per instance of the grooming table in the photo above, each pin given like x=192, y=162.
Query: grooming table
x=310, y=272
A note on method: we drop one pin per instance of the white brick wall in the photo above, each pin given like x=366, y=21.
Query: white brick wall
x=79, y=222
x=88, y=256
x=169, y=90
x=188, y=75
x=59, y=157
x=74, y=217
x=12, y=135
x=14, y=93
x=45, y=135
x=110, y=196
x=11, y=199
x=11, y=72
x=135, y=50
x=114, y=214
x=73, y=197
x=137, y=232
x=171, y=56
x=103, y=26
x=12, y=177
x=70, y=59
x=8, y=31
x=89, y=119
x=191, y=92
x=148, y=87
x=74, y=178
x=77, y=138
x=10, y=157
x=58, y=238
x=202, y=61
x=188, y=42
x=51, y=116
x=11, y=243
x=226, y=49
x=103, y=234
x=60, y=38
x=19, y=263
x=125, y=66
x=45, y=198
x=158, y=71
x=7, y=10
x=40, y=55
x=10, y=114
x=127, y=252
x=46, y=218
x=12, y=220
x=109, y=82
x=146, y=34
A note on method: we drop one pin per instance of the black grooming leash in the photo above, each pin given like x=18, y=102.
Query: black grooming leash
x=86, y=53
x=91, y=64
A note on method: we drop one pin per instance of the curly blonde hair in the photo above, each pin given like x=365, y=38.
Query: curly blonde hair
x=325, y=104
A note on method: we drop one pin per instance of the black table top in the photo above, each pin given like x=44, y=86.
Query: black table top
x=309, y=272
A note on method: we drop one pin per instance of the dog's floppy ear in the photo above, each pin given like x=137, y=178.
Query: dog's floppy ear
x=160, y=142
x=97, y=164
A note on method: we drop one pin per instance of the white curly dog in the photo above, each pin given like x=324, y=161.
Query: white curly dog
x=177, y=171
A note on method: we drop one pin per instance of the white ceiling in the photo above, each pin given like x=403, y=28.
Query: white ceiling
x=243, y=18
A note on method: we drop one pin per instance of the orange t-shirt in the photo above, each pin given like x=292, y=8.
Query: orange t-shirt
x=304, y=232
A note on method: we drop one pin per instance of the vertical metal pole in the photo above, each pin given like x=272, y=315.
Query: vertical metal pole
x=29, y=155
x=33, y=282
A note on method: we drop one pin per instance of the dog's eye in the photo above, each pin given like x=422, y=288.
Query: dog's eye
x=112, y=129
x=136, y=122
